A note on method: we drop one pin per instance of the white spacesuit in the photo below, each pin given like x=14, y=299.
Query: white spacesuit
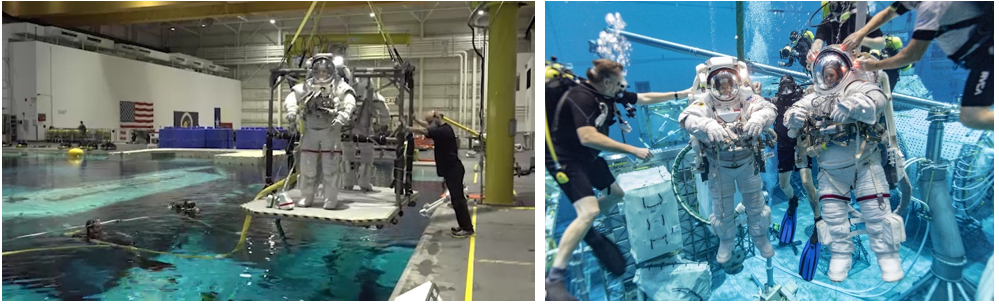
x=842, y=121
x=324, y=102
x=728, y=120
x=370, y=106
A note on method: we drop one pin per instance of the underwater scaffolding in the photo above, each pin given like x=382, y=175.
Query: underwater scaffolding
x=65, y=201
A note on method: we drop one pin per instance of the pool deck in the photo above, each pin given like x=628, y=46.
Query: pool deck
x=502, y=252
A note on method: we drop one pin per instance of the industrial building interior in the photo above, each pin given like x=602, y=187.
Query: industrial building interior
x=148, y=154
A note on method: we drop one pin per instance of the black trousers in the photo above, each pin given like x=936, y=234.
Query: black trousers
x=454, y=180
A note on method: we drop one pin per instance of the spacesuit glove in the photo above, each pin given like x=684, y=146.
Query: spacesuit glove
x=716, y=133
x=753, y=129
x=840, y=114
x=290, y=117
x=795, y=119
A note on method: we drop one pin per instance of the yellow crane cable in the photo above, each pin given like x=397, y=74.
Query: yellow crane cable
x=301, y=26
x=381, y=27
x=310, y=44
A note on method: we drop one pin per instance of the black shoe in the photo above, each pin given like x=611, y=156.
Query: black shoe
x=556, y=291
x=606, y=252
x=455, y=229
x=460, y=234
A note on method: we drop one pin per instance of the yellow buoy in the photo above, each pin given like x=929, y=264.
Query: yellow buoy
x=75, y=153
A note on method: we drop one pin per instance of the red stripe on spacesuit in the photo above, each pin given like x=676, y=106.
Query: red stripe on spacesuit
x=870, y=197
x=833, y=196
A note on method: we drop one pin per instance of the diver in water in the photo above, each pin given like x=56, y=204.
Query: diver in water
x=94, y=232
x=788, y=93
x=843, y=123
x=185, y=207
x=841, y=20
x=893, y=45
x=797, y=49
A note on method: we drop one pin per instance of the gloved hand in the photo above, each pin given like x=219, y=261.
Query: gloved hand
x=716, y=133
x=753, y=129
x=795, y=119
x=840, y=113
x=290, y=117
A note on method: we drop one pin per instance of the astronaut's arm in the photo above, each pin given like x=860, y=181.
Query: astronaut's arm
x=798, y=114
x=866, y=104
x=762, y=111
x=346, y=108
x=291, y=107
x=695, y=120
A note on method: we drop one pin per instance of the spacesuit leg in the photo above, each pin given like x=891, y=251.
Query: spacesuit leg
x=366, y=165
x=309, y=166
x=757, y=212
x=871, y=184
x=332, y=171
x=722, y=188
x=834, y=194
x=350, y=158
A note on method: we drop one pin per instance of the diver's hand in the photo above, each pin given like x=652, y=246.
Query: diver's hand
x=641, y=153
x=840, y=114
x=753, y=129
x=867, y=64
x=852, y=41
x=812, y=54
x=716, y=133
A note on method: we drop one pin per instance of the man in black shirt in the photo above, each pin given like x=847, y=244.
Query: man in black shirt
x=580, y=123
x=840, y=23
x=449, y=167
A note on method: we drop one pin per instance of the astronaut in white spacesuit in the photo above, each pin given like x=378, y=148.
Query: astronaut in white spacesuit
x=727, y=120
x=370, y=106
x=844, y=119
x=324, y=102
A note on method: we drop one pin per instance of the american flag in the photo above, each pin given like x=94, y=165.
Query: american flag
x=135, y=115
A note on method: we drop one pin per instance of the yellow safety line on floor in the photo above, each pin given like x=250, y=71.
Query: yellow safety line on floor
x=471, y=260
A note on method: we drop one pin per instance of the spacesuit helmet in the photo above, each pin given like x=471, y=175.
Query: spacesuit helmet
x=832, y=66
x=724, y=78
x=322, y=70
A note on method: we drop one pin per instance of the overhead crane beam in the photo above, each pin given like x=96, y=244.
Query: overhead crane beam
x=77, y=13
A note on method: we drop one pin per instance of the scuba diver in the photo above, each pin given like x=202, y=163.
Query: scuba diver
x=964, y=31
x=841, y=124
x=371, y=106
x=797, y=49
x=788, y=93
x=94, y=232
x=893, y=45
x=841, y=20
x=185, y=207
x=325, y=102
x=582, y=112
x=725, y=124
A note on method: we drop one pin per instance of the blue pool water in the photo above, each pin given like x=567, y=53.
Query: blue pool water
x=47, y=193
x=572, y=27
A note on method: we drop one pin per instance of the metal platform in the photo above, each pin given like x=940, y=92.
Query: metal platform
x=362, y=209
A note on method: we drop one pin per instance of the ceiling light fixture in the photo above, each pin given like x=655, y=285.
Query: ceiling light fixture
x=372, y=14
x=481, y=13
x=272, y=21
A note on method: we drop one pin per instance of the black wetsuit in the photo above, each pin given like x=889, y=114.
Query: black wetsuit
x=800, y=47
x=831, y=31
x=788, y=93
x=586, y=170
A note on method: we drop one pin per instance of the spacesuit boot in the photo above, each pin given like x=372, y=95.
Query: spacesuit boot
x=839, y=266
x=891, y=267
x=333, y=171
x=365, y=166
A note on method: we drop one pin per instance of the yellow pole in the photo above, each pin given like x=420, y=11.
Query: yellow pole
x=500, y=125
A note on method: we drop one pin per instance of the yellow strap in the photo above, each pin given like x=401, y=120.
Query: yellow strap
x=381, y=28
x=548, y=138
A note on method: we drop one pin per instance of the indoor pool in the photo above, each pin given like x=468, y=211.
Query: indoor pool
x=46, y=198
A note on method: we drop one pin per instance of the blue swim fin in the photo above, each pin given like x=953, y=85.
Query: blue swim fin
x=810, y=257
x=790, y=222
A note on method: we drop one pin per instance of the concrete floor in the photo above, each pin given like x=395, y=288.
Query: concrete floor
x=502, y=251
